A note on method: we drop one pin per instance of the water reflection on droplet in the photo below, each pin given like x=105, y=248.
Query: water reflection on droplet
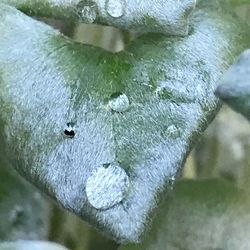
x=107, y=186
x=119, y=102
x=87, y=11
x=115, y=8
x=172, y=131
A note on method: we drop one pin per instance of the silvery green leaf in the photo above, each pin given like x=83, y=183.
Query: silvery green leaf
x=235, y=87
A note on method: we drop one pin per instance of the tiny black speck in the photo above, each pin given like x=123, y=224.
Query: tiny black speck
x=70, y=133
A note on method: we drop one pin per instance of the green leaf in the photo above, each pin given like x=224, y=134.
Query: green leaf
x=200, y=215
x=162, y=16
x=235, y=87
x=106, y=134
x=30, y=245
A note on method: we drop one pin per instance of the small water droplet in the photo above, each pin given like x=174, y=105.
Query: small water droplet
x=172, y=131
x=115, y=8
x=107, y=186
x=87, y=10
x=119, y=102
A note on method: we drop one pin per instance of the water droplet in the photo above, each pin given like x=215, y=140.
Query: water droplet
x=172, y=131
x=87, y=11
x=107, y=186
x=115, y=8
x=119, y=102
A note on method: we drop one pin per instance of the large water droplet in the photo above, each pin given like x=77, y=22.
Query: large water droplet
x=115, y=8
x=119, y=102
x=107, y=186
x=87, y=11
